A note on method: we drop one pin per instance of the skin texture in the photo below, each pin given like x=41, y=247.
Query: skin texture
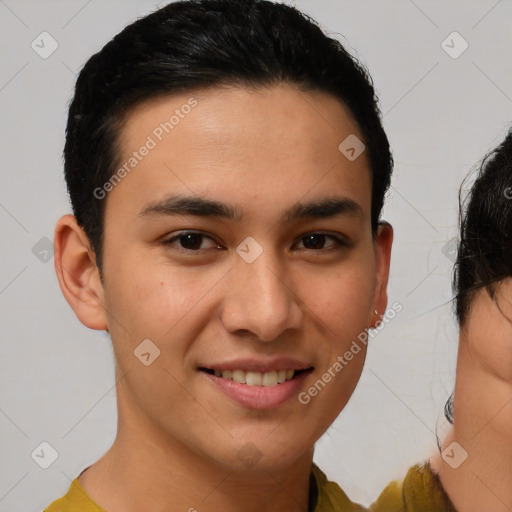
x=178, y=436
x=483, y=408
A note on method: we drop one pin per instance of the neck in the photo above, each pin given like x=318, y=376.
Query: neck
x=483, y=427
x=145, y=469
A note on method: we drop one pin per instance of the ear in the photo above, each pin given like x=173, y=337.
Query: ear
x=382, y=251
x=78, y=274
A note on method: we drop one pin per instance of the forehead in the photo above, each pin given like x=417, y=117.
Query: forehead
x=257, y=145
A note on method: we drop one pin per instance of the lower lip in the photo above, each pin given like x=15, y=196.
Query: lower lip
x=259, y=397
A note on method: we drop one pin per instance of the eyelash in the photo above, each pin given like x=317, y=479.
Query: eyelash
x=340, y=242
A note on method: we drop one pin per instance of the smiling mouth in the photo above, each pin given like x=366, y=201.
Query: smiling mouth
x=266, y=379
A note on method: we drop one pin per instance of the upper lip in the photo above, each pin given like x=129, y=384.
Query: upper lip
x=260, y=365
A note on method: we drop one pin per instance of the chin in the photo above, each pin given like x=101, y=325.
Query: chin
x=261, y=453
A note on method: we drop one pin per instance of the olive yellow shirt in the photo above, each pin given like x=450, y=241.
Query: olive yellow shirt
x=325, y=496
x=419, y=491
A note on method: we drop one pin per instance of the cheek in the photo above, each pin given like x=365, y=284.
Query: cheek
x=342, y=302
x=157, y=303
x=343, y=299
x=504, y=364
x=150, y=302
x=494, y=352
x=489, y=335
x=154, y=291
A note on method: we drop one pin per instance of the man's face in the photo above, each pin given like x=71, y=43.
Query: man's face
x=271, y=288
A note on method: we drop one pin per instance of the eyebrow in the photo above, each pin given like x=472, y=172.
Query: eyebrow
x=201, y=207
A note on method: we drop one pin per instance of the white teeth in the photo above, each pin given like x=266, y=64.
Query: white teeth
x=253, y=378
x=238, y=376
x=267, y=379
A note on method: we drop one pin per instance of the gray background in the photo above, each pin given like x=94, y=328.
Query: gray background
x=441, y=114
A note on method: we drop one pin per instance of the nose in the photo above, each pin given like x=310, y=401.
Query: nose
x=259, y=301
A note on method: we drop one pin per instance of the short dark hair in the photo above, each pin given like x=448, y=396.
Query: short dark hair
x=197, y=44
x=484, y=255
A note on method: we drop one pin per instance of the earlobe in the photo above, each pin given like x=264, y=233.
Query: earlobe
x=382, y=249
x=78, y=274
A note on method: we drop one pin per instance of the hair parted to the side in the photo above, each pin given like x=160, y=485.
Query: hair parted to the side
x=484, y=253
x=191, y=45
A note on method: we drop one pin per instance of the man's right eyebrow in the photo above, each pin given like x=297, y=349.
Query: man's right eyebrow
x=186, y=205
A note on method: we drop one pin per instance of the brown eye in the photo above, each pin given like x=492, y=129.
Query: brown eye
x=316, y=241
x=190, y=241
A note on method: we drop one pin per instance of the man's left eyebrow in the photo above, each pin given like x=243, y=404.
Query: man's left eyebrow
x=323, y=209
x=202, y=207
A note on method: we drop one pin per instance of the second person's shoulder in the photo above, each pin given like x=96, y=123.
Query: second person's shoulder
x=420, y=491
